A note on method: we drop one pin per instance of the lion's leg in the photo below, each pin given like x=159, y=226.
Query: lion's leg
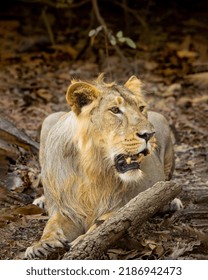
x=98, y=222
x=169, y=161
x=58, y=233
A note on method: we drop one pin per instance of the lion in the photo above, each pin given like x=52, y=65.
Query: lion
x=97, y=157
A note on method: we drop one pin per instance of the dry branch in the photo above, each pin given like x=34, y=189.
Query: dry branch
x=127, y=220
x=10, y=138
x=10, y=134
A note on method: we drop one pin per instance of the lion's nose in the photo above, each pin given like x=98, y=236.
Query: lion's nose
x=146, y=135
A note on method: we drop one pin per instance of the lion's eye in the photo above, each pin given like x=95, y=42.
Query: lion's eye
x=115, y=110
x=141, y=108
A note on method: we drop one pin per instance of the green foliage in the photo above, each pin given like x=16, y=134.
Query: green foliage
x=114, y=40
x=129, y=42
x=94, y=32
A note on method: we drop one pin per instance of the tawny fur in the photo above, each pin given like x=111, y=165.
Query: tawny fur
x=77, y=150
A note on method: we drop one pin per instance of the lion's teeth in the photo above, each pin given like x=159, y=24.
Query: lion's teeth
x=140, y=157
x=128, y=160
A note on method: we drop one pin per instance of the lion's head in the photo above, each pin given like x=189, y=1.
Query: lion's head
x=112, y=125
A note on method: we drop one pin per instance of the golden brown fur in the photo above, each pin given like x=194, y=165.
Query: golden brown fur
x=83, y=180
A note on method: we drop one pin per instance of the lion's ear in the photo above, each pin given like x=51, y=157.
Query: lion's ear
x=134, y=85
x=80, y=94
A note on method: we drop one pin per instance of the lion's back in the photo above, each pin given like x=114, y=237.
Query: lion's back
x=48, y=123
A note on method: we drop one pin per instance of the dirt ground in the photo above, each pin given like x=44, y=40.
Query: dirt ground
x=41, y=50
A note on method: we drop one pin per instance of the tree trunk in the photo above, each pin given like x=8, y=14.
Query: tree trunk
x=127, y=219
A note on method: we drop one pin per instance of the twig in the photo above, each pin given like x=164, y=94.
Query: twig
x=47, y=24
x=133, y=12
x=106, y=30
x=57, y=4
x=126, y=15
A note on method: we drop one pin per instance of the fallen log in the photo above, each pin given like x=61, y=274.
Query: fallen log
x=10, y=134
x=126, y=220
x=10, y=139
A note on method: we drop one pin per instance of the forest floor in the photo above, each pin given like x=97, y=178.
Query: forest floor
x=171, y=58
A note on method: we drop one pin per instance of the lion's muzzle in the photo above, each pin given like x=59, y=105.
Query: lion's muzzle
x=131, y=160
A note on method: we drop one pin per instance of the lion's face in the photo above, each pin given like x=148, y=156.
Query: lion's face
x=117, y=121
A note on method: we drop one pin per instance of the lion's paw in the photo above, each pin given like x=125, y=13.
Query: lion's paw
x=40, y=202
x=175, y=205
x=77, y=240
x=43, y=248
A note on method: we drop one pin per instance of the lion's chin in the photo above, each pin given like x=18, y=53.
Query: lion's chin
x=131, y=176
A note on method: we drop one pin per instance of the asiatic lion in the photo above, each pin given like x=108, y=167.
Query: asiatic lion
x=97, y=157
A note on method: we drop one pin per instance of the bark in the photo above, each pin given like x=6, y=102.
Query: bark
x=10, y=139
x=127, y=219
x=10, y=134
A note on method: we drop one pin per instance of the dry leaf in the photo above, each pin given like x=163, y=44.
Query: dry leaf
x=182, y=248
x=186, y=54
x=173, y=90
x=14, y=182
x=30, y=209
x=150, y=65
x=200, y=79
x=67, y=49
x=158, y=251
x=44, y=94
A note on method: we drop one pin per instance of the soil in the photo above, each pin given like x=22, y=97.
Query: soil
x=43, y=47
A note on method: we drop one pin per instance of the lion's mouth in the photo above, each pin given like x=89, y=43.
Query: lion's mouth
x=124, y=162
